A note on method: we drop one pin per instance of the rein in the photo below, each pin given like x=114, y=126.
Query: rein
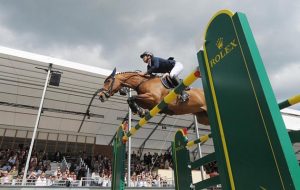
x=108, y=92
x=137, y=87
x=111, y=86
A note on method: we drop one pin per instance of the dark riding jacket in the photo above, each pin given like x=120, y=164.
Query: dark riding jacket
x=159, y=65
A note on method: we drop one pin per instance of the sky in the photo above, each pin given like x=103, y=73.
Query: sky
x=113, y=33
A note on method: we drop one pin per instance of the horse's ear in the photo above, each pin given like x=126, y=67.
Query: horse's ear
x=114, y=72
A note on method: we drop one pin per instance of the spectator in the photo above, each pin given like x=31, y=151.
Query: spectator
x=5, y=179
x=58, y=177
x=57, y=171
x=48, y=165
x=105, y=181
x=14, y=172
x=41, y=180
x=33, y=161
x=6, y=167
x=32, y=177
x=73, y=166
x=139, y=183
x=45, y=156
x=167, y=165
x=50, y=180
x=73, y=176
x=95, y=176
x=57, y=156
x=133, y=181
x=156, y=181
x=101, y=178
x=81, y=173
x=149, y=158
x=12, y=159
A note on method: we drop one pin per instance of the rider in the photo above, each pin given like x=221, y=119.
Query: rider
x=166, y=66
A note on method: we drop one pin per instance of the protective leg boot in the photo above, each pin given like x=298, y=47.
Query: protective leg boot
x=142, y=112
x=123, y=91
x=133, y=105
x=184, y=96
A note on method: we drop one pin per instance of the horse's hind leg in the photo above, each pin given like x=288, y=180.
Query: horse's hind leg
x=202, y=117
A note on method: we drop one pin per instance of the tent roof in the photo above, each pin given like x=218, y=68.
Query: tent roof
x=22, y=80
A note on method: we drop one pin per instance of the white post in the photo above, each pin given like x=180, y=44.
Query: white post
x=199, y=146
x=129, y=144
x=36, y=125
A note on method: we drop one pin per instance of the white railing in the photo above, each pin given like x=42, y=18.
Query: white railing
x=84, y=182
x=47, y=182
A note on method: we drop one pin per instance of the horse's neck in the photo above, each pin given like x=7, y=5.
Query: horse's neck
x=132, y=80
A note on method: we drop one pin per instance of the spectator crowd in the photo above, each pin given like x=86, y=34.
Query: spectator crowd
x=96, y=170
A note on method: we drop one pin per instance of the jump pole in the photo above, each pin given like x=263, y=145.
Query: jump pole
x=122, y=137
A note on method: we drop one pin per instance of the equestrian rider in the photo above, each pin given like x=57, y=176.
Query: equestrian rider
x=166, y=66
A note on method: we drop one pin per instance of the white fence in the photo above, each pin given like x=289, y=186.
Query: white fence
x=84, y=182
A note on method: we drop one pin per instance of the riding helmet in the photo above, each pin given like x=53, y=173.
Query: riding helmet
x=146, y=53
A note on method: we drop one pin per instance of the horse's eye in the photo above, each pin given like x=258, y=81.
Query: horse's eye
x=107, y=81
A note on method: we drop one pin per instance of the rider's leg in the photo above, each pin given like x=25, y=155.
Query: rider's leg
x=178, y=67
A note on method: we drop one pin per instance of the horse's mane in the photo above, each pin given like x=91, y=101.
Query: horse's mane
x=125, y=72
x=137, y=73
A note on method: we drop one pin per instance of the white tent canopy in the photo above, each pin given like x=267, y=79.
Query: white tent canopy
x=291, y=119
x=64, y=112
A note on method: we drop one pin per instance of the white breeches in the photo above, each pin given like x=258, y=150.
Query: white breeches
x=178, y=67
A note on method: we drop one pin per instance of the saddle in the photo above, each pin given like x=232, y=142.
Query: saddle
x=169, y=83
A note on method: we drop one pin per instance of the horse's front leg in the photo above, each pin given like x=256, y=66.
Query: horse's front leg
x=140, y=102
x=134, y=106
x=146, y=101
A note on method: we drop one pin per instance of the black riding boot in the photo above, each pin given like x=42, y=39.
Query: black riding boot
x=184, y=96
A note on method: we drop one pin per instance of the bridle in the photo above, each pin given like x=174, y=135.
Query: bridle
x=108, y=92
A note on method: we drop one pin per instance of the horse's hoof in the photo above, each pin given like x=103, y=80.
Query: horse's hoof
x=142, y=113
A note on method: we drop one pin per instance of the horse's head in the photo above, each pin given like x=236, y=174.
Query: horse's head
x=111, y=85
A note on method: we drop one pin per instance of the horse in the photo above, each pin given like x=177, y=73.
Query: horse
x=150, y=92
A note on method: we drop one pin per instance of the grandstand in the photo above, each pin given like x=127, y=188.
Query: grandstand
x=75, y=131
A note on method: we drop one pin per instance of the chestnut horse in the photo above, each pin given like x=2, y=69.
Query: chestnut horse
x=150, y=92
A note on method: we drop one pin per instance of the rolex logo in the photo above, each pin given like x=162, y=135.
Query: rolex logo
x=219, y=43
